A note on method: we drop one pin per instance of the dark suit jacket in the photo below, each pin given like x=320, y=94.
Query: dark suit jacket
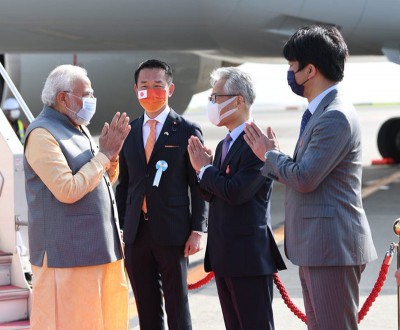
x=240, y=240
x=173, y=215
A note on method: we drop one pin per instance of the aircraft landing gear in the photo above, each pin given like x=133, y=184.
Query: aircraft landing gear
x=389, y=139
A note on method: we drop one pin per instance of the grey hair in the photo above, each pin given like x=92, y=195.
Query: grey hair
x=236, y=82
x=61, y=79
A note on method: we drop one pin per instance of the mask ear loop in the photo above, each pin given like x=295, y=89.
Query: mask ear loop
x=223, y=105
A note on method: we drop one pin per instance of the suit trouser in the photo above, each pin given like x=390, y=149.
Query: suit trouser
x=154, y=271
x=331, y=296
x=246, y=301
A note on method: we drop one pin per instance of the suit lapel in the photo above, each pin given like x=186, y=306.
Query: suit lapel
x=314, y=118
x=218, y=154
x=138, y=138
x=233, y=150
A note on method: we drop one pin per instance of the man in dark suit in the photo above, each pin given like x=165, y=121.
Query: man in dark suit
x=162, y=224
x=241, y=249
x=326, y=231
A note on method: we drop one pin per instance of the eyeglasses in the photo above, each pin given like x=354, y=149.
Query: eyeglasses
x=89, y=94
x=213, y=97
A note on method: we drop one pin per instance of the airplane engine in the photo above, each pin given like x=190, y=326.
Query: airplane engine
x=389, y=139
x=112, y=77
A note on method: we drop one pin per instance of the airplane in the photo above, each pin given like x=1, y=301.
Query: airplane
x=110, y=39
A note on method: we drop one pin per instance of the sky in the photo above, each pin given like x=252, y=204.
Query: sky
x=367, y=80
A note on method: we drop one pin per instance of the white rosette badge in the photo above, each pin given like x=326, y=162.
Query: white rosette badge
x=161, y=167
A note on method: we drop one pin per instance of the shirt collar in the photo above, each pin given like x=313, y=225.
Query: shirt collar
x=238, y=130
x=315, y=103
x=161, y=118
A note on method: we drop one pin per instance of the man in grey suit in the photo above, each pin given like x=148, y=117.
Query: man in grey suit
x=74, y=237
x=326, y=230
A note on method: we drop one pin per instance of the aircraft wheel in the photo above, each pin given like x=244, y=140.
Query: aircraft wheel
x=389, y=139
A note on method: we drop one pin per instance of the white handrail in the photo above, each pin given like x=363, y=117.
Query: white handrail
x=16, y=93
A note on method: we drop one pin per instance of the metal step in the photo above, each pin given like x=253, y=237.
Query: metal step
x=13, y=303
x=17, y=325
x=5, y=265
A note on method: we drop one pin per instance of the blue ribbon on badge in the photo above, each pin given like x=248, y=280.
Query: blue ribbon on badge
x=161, y=166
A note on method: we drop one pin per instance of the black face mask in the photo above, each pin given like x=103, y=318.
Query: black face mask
x=296, y=88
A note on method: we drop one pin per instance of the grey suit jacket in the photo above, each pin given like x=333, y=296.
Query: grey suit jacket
x=325, y=223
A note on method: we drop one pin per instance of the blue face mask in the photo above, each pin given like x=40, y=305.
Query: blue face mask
x=296, y=88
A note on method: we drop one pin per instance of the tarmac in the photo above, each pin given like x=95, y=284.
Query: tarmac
x=381, y=191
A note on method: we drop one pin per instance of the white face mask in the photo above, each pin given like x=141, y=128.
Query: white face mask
x=214, y=110
x=15, y=113
x=83, y=116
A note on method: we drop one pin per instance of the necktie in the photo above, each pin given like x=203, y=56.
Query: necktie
x=225, y=147
x=304, y=120
x=148, y=149
x=151, y=139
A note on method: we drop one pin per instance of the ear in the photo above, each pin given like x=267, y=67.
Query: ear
x=171, y=89
x=240, y=100
x=135, y=88
x=311, y=71
x=61, y=97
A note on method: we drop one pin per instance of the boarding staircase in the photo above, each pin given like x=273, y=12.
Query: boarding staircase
x=15, y=269
x=14, y=300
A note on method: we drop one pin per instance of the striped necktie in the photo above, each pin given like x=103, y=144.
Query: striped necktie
x=304, y=120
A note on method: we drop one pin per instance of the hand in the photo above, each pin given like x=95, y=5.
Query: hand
x=199, y=154
x=193, y=244
x=397, y=275
x=113, y=136
x=259, y=142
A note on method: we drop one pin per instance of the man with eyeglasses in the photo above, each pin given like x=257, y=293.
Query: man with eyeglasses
x=74, y=237
x=241, y=249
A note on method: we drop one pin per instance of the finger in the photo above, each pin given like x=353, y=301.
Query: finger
x=191, y=141
x=192, y=251
x=105, y=129
x=114, y=121
x=257, y=130
x=273, y=134
x=126, y=132
x=190, y=150
x=197, y=144
x=248, y=140
x=123, y=124
x=190, y=145
x=270, y=132
x=187, y=249
x=251, y=132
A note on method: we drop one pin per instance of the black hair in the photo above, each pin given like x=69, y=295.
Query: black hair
x=155, y=64
x=322, y=46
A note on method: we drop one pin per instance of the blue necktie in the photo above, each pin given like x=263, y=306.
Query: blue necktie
x=225, y=147
x=304, y=120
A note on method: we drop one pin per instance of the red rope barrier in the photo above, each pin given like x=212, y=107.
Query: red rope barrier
x=374, y=293
x=368, y=302
x=287, y=300
x=202, y=282
x=285, y=296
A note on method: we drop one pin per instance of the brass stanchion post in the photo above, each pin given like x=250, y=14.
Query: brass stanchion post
x=396, y=229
